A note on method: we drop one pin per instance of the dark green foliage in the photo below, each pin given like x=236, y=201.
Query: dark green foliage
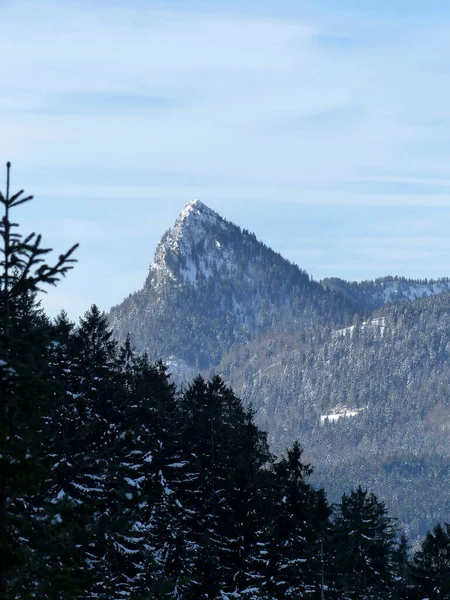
x=225, y=456
x=292, y=544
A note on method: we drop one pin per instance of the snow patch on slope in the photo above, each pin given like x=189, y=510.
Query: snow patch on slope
x=340, y=412
x=378, y=325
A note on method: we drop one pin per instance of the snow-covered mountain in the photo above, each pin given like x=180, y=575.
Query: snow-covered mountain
x=213, y=286
x=370, y=295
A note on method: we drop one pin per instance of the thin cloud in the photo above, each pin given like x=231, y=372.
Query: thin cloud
x=150, y=107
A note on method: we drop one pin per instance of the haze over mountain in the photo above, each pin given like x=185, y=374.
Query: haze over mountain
x=355, y=371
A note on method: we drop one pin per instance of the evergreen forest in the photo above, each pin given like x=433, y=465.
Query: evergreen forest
x=115, y=483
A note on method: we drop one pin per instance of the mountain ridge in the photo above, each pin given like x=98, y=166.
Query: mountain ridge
x=373, y=294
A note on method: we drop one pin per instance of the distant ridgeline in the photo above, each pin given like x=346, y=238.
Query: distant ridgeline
x=376, y=353
x=371, y=295
x=114, y=483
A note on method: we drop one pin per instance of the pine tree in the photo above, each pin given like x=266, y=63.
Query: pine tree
x=241, y=456
x=401, y=570
x=322, y=549
x=144, y=476
x=247, y=501
x=430, y=567
x=224, y=456
x=97, y=391
x=24, y=389
x=66, y=575
x=113, y=424
x=85, y=427
x=289, y=552
x=199, y=482
x=364, y=545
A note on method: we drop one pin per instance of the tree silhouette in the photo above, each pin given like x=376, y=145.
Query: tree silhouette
x=23, y=272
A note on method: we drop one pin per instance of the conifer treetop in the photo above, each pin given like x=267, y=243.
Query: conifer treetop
x=23, y=266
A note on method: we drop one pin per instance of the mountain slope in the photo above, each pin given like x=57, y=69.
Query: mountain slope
x=213, y=286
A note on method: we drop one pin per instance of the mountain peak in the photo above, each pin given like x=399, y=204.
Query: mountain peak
x=195, y=209
x=193, y=225
x=196, y=205
x=177, y=255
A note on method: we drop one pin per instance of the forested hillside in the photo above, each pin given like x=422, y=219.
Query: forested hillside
x=369, y=402
x=371, y=295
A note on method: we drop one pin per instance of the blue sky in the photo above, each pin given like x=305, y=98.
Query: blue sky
x=324, y=127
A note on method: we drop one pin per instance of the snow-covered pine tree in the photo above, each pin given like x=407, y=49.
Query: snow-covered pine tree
x=197, y=489
x=62, y=544
x=243, y=514
x=364, y=543
x=224, y=478
x=141, y=484
x=87, y=423
x=289, y=552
